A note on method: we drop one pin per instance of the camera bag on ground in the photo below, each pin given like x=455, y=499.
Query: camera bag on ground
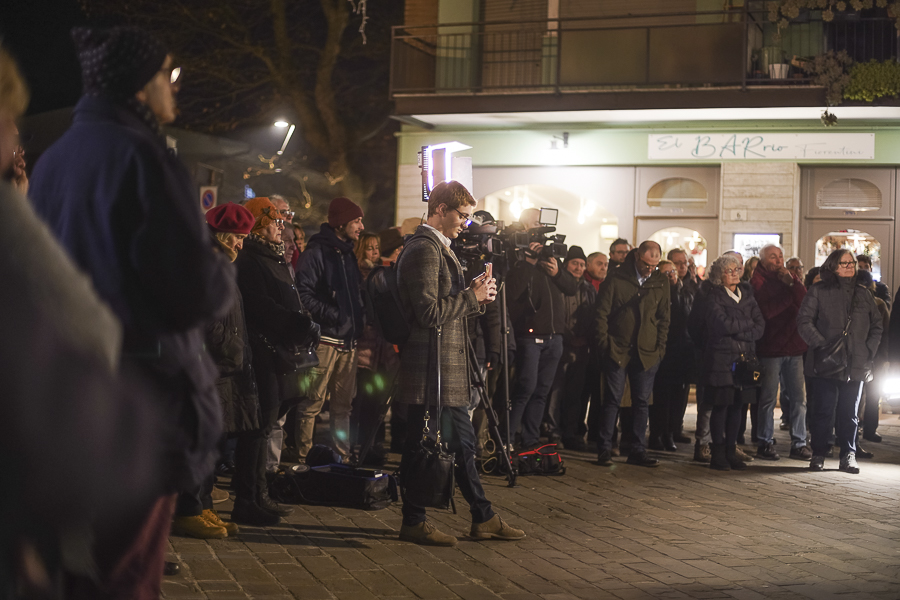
x=382, y=295
x=335, y=485
x=543, y=460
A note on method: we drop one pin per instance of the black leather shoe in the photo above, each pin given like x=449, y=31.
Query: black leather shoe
x=656, y=443
x=871, y=437
x=767, y=452
x=642, y=460
x=860, y=453
x=249, y=513
x=604, y=459
x=273, y=507
x=171, y=568
x=669, y=444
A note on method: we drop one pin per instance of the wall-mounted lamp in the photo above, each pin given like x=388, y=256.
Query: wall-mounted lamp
x=554, y=143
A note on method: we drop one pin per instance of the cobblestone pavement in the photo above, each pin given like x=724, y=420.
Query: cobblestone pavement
x=678, y=531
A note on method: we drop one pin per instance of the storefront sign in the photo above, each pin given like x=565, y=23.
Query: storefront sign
x=762, y=146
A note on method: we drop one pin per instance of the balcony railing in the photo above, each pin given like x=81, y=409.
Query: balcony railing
x=703, y=49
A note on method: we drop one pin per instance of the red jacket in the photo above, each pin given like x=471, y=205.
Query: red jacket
x=779, y=304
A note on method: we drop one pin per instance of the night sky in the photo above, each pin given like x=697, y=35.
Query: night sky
x=36, y=32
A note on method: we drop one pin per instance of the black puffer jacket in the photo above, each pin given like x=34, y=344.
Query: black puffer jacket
x=823, y=316
x=229, y=346
x=679, y=363
x=732, y=329
x=328, y=279
x=271, y=305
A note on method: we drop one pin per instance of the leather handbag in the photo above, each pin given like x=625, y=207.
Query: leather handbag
x=426, y=479
x=290, y=359
x=746, y=372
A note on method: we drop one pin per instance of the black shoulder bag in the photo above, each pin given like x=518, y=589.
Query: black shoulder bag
x=426, y=479
x=831, y=358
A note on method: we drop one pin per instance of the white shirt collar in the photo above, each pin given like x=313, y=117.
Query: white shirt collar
x=444, y=239
x=735, y=295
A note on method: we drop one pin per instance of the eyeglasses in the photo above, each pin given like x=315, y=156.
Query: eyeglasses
x=733, y=271
x=279, y=222
x=174, y=74
x=466, y=218
x=795, y=268
x=847, y=264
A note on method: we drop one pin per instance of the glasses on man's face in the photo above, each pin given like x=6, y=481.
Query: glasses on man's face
x=847, y=263
x=466, y=218
x=795, y=268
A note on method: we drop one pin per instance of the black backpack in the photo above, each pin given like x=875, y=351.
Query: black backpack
x=383, y=306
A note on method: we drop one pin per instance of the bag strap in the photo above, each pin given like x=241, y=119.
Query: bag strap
x=850, y=312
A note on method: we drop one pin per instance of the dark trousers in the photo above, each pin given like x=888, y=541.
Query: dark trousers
x=192, y=503
x=669, y=403
x=833, y=403
x=869, y=407
x=536, y=361
x=372, y=391
x=641, y=381
x=567, y=406
x=724, y=423
x=459, y=436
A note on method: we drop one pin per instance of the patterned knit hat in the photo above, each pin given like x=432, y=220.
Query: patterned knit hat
x=263, y=211
x=117, y=62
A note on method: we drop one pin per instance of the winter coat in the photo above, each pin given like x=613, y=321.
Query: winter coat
x=126, y=209
x=732, y=329
x=779, y=304
x=883, y=293
x=328, y=281
x=536, y=300
x=433, y=293
x=579, y=314
x=883, y=346
x=484, y=329
x=823, y=316
x=632, y=320
x=274, y=313
x=679, y=363
x=229, y=347
x=373, y=352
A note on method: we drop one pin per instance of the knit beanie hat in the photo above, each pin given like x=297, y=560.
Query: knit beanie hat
x=230, y=218
x=343, y=210
x=117, y=62
x=575, y=252
x=263, y=211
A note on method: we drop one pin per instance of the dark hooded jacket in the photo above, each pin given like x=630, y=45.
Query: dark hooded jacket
x=328, y=279
x=535, y=299
x=126, y=210
x=823, y=317
x=732, y=329
x=633, y=320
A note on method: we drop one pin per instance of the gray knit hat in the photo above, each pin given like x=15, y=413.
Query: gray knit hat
x=117, y=62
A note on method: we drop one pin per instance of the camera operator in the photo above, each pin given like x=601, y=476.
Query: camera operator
x=536, y=290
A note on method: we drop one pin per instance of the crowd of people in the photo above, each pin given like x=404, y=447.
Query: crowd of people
x=152, y=343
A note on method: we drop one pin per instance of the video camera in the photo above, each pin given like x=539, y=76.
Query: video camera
x=489, y=240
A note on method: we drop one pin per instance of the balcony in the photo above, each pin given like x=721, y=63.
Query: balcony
x=675, y=60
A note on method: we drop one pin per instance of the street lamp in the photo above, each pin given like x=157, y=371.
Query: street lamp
x=287, y=138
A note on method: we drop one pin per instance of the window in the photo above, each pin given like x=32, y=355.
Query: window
x=849, y=194
x=677, y=192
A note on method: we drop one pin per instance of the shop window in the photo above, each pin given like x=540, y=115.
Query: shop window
x=857, y=242
x=677, y=192
x=687, y=239
x=849, y=194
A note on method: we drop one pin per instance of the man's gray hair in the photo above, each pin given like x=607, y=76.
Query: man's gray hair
x=717, y=269
x=594, y=255
x=767, y=246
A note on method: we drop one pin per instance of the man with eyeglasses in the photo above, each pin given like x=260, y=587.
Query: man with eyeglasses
x=127, y=211
x=328, y=280
x=535, y=295
x=779, y=293
x=633, y=314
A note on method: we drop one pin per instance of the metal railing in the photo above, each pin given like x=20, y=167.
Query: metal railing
x=672, y=50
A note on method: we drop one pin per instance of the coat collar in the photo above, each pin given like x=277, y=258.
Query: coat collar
x=327, y=236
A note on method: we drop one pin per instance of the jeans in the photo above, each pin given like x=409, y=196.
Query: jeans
x=192, y=503
x=457, y=432
x=536, y=361
x=833, y=403
x=790, y=370
x=641, y=386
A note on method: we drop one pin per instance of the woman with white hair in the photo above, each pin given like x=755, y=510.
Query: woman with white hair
x=733, y=323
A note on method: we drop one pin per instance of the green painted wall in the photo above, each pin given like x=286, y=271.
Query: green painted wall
x=596, y=147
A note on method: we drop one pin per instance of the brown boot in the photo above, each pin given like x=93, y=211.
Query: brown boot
x=701, y=452
x=495, y=529
x=425, y=534
x=213, y=517
x=198, y=527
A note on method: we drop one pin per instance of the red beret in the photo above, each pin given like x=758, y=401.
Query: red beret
x=230, y=218
x=343, y=210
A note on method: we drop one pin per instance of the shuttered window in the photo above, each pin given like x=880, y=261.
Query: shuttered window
x=849, y=194
x=677, y=192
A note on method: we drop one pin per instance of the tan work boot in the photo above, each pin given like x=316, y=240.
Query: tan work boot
x=213, y=517
x=198, y=527
x=742, y=455
x=425, y=534
x=495, y=529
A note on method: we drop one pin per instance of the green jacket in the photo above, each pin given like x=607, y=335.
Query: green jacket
x=633, y=320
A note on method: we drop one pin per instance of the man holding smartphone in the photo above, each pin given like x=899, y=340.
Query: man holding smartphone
x=433, y=295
